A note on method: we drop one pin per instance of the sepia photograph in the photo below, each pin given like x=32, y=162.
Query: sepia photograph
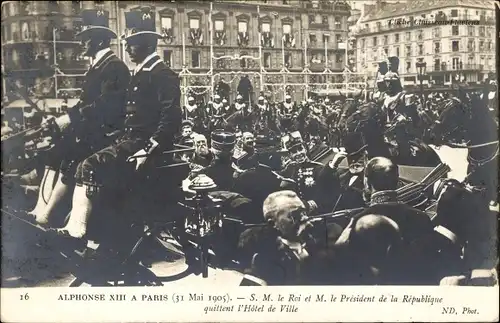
x=191, y=144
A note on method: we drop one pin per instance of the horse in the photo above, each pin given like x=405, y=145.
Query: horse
x=366, y=126
x=471, y=121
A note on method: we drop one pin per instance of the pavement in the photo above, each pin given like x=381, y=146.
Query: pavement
x=27, y=263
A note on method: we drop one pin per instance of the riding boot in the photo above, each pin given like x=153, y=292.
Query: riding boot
x=80, y=213
x=44, y=192
x=59, y=194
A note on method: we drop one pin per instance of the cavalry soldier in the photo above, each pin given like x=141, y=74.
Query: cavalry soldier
x=243, y=119
x=190, y=110
x=239, y=104
x=196, y=114
x=288, y=106
x=313, y=182
x=153, y=118
x=227, y=108
x=98, y=113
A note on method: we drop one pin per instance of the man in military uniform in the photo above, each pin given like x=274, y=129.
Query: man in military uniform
x=243, y=119
x=389, y=242
x=381, y=88
x=239, y=104
x=287, y=115
x=316, y=184
x=244, y=156
x=99, y=112
x=185, y=139
x=153, y=118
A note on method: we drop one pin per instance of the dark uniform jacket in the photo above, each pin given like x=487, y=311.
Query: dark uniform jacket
x=101, y=106
x=153, y=107
x=313, y=181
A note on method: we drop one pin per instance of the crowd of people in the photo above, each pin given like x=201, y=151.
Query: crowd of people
x=272, y=164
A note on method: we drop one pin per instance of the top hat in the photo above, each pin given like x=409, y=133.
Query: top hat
x=223, y=140
x=140, y=22
x=96, y=22
x=393, y=63
x=382, y=68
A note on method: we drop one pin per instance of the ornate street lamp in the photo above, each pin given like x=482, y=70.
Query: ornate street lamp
x=421, y=67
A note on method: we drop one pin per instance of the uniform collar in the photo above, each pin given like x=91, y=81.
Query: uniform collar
x=382, y=197
x=148, y=59
x=100, y=56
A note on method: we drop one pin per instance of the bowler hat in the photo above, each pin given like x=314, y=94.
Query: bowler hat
x=140, y=22
x=96, y=22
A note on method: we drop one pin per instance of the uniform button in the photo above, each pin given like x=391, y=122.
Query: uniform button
x=135, y=88
x=133, y=102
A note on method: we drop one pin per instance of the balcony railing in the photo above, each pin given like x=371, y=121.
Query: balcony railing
x=458, y=67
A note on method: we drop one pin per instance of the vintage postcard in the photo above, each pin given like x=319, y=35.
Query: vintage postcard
x=250, y=161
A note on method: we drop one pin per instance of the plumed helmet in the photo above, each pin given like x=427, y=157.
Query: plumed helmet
x=190, y=99
x=216, y=97
x=239, y=97
x=224, y=101
x=288, y=97
x=223, y=140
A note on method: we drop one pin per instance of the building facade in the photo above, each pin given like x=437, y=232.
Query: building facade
x=422, y=31
x=204, y=41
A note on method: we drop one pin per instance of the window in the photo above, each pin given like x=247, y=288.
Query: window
x=454, y=30
x=374, y=41
x=455, y=62
x=437, y=47
x=311, y=19
x=455, y=45
x=287, y=29
x=481, y=31
x=326, y=39
x=312, y=38
x=166, y=23
x=338, y=23
x=420, y=35
x=265, y=27
x=386, y=40
x=471, y=45
x=219, y=25
x=324, y=19
x=437, y=32
x=489, y=45
x=285, y=1
x=408, y=67
x=408, y=50
x=396, y=38
x=267, y=60
x=470, y=31
x=338, y=58
x=288, y=60
x=437, y=64
x=242, y=26
x=363, y=44
x=397, y=51
x=195, y=59
x=420, y=49
x=481, y=45
x=386, y=51
x=25, y=31
x=167, y=57
x=194, y=23
x=454, y=13
x=408, y=36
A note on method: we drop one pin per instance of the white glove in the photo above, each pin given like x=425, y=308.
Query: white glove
x=139, y=160
x=400, y=118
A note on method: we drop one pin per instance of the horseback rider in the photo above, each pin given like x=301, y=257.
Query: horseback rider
x=239, y=104
x=153, y=118
x=195, y=113
x=313, y=182
x=87, y=127
x=243, y=119
x=227, y=108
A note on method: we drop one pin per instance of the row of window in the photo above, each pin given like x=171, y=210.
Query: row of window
x=316, y=58
x=419, y=35
x=455, y=47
